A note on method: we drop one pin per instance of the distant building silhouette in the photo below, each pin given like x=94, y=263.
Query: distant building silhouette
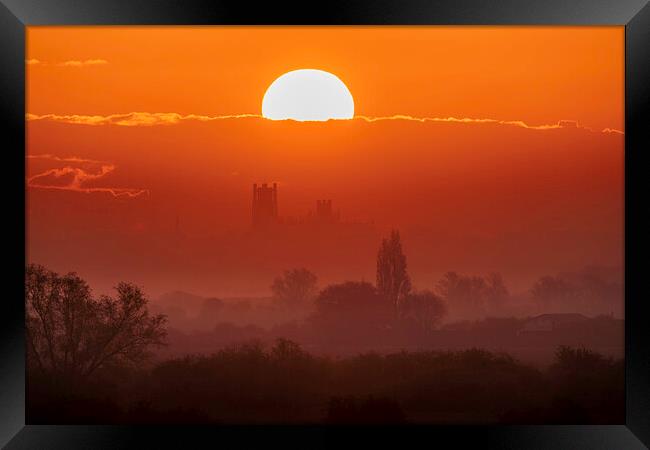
x=265, y=204
x=324, y=212
x=551, y=322
x=265, y=212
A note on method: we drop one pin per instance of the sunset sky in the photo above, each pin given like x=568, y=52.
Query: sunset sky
x=490, y=148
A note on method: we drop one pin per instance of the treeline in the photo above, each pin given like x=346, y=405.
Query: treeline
x=88, y=361
x=89, y=358
x=394, y=301
x=350, y=337
x=281, y=383
x=457, y=296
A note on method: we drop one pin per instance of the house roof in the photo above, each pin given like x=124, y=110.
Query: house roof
x=560, y=317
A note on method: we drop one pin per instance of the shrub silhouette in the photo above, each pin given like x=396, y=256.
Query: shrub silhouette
x=282, y=383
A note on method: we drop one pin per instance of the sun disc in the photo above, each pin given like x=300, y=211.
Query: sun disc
x=308, y=95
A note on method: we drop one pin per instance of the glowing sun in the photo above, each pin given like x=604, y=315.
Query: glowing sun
x=307, y=95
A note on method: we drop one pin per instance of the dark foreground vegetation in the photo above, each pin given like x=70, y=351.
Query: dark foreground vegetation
x=249, y=383
x=107, y=359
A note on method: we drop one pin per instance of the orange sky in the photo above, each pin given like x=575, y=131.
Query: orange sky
x=473, y=196
x=534, y=74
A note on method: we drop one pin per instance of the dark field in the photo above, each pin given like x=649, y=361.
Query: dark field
x=347, y=353
x=250, y=383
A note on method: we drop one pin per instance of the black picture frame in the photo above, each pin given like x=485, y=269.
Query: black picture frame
x=15, y=15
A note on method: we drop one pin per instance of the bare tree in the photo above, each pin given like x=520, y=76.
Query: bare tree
x=72, y=334
x=295, y=287
x=393, y=281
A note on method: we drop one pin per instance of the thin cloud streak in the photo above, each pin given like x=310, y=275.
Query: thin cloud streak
x=134, y=118
x=151, y=119
x=518, y=123
x=68, y=63
x=612, y=130
x=75, y=178
x=87, y=62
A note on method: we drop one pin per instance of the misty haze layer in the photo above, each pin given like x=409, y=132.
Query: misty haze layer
x=473, y=198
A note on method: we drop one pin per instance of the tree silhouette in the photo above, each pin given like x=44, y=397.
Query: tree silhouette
x=549, y=291
x=472, y=296
x=591, y=290
x=72, y=334
x=393, y=281
x=424, y=308
x=344, y=299
x=496, y=291
x=351, y=308
x=295, y=287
